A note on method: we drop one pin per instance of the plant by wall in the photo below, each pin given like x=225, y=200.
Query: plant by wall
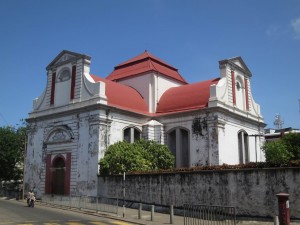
x=284, y=150
x=12, y=146
x=139, y=156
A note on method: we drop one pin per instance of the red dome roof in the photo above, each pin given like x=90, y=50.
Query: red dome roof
x=186, y=97
x=122, y=96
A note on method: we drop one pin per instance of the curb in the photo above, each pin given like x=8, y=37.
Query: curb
x=90, y=212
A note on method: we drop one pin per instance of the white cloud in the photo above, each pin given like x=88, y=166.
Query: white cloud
x=296, y=27
x=272, y=30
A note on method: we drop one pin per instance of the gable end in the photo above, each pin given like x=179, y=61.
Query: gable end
x=66, y=57
x=233, y=62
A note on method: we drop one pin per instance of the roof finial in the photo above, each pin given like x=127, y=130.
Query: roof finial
x=146, y=50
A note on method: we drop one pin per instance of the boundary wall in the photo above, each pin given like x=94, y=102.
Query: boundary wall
x=251, y=191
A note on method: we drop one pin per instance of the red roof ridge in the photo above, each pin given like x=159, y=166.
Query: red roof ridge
x=144, y=57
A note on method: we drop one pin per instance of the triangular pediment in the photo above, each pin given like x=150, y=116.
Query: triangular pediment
x=237, y=63
x=66, y=57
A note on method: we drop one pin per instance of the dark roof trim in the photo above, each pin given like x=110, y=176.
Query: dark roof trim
x=76, y=55
x=231, y=63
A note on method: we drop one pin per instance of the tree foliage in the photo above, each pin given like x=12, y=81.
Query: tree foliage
x=292, y=142
x=284, y=150
x=12, y=145
x=139, y=156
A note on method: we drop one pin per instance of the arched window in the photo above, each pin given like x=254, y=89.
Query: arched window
x=64, y=75
x=131, y=134
x=178, y=143
x=240, y=93
x=58, y=176
x=243, y=145
x=63, y=87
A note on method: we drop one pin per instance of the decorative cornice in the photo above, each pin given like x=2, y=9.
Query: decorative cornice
x=59, y=134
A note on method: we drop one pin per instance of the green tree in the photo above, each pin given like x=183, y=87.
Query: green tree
x=283, y=150
x=159, y=156
x=12, y=145
x=292, y=142
x=139, y=156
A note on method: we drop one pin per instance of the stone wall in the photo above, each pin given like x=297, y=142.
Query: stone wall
x=251, y=191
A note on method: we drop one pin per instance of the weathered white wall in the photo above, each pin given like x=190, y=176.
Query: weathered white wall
x=86, y=146
x=34, y=169
x=218, y=142
x=228, y=137
x=198, y=144
x=121, y=121
x=252, y=192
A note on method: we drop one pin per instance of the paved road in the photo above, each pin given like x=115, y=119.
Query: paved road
x=14, y=212
x=17, y=213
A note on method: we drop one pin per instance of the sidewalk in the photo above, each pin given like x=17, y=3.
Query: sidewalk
x=131, y=217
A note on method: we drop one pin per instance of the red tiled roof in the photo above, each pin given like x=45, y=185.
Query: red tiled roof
x=122, y=96
x=142, y=63
x=186, y=97
x=177, y=99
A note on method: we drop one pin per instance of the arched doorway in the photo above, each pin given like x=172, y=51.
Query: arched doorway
x=178, y=143
x=58, y=176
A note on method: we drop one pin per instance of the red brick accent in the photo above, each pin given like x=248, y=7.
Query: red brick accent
x=247, y=94
x=53, y=88
x=73, y=82
x=48, y=186
x=233, y=88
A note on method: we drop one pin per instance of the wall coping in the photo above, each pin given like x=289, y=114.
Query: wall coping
x=203, y=171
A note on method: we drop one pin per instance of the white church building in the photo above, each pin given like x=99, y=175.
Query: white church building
x=80, y=114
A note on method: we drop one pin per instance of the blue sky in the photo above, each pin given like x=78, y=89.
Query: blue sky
x=191, y=35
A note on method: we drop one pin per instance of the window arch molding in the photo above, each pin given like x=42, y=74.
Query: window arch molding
x=58, y=134
x=131, y=134
x=64, y=74
x=55, y=160
x=239, y=83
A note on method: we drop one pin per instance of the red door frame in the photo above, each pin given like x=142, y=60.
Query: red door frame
x=49, y=176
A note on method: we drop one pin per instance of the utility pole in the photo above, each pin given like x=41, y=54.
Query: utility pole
x=123, y=194
x=278, y=122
